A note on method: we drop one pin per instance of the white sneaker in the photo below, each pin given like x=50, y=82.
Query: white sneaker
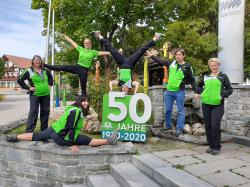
x=158, y=36
x=96, y=33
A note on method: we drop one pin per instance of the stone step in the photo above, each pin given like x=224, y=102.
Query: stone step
x=75, y=185
x=101, y=180
x=129, y=176
x=243, y=140
x=164, y=173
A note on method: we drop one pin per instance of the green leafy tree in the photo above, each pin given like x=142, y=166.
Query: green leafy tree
x=2, y=68
x=247, y=41
x=194, y=28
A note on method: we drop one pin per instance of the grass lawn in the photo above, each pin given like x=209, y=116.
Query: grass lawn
x=1, y=98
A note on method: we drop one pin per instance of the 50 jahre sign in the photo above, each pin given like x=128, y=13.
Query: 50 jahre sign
x=120, y=112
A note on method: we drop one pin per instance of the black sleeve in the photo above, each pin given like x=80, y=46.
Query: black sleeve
x=161, y=61
x=228, y=90
x=200, y=85
x=24, y=76
x=190, y=78
x=70, y=124
x=50, y=78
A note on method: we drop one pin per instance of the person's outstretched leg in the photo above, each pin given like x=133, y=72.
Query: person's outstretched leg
x=20, y=137
x=111, y=84
x=41, y=136
x=119, y=58
x=136, y=85
x=67, y=68
x=133, y=59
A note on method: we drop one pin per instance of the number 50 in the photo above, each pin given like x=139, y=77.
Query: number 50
x=132, y=107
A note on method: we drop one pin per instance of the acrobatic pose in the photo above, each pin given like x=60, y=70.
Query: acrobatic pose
x=116, y=82
x=126, y=64
x=66, y=130
x=86, y=57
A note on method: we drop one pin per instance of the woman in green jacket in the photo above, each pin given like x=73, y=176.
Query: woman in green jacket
x=40, y=81
x=212, y=89
x=66, y=130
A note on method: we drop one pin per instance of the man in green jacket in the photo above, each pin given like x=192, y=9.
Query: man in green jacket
x=180, y=74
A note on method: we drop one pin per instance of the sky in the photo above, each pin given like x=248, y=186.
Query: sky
x=20, y=29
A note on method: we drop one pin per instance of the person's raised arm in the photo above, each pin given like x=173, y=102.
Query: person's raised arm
x=73, y=44
x=158, y=60
x=103, y=53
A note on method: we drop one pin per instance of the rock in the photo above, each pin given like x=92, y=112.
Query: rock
x=199, y=131
x=187, y=129
x=196, y=125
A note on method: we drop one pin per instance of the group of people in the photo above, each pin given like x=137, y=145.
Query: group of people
x=212, y=89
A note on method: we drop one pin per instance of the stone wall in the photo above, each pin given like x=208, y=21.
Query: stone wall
x=25, y=164
x=236, y=119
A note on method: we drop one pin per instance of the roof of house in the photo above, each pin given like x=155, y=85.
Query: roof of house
x=20, y=62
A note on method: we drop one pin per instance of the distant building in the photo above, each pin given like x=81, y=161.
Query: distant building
x=13, y=68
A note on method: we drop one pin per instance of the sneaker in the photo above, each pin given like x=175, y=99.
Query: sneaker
x=209, y=150
x=215, y=152
x=96, y=33
x=178, y=133
x=11, y=138
x=112, y=140
x=158, y=36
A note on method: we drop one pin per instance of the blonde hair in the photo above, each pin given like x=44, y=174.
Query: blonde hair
x=214, y=60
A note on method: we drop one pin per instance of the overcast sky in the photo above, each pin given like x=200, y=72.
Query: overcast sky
x=20, y=29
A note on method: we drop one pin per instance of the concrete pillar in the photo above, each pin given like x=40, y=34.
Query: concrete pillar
x=231, y=38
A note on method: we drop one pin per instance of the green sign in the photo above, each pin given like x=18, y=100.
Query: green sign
x=120, y=112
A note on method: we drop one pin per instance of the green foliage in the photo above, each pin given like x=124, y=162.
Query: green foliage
x=73, y=81
x=247, y=41
x=1, y=98
x=2, y=63
x=179, y=166
x=194, y=28
x=96, y=93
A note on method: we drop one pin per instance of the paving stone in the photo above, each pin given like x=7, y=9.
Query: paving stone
x=172, y=177
x=75, y=185
x=243, y=185
x=245, y=171
x=243, y=140
x=214, y=166
x=245, y=158
x=237, y=147
x=223, y=155
x=225, y=147
x=175, y=153
x=200, y=149
x=225, y=178
x=185, y=160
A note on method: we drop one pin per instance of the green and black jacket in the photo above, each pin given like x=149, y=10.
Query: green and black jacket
x=40, y=82
x=70, y=123
x=179, y=75
x=213, y=90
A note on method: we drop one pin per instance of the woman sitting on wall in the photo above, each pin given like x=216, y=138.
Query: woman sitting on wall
x=66, y=130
